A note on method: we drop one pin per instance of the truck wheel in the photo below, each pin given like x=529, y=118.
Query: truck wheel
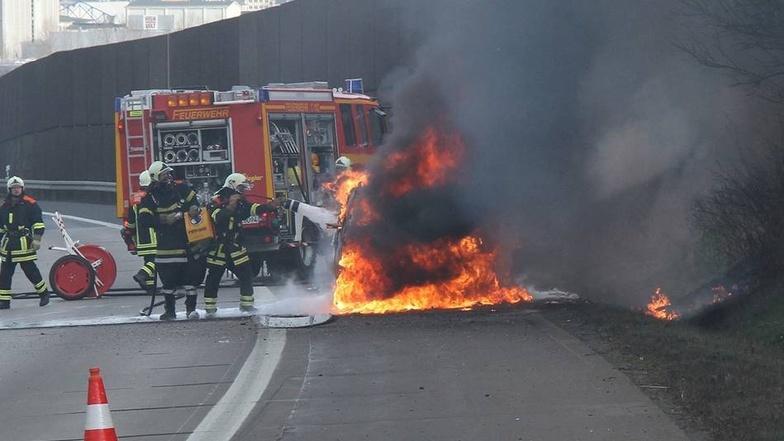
x=71, y=277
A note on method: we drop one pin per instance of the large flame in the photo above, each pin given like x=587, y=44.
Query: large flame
x=445, y=273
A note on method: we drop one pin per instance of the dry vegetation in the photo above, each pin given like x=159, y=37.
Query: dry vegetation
x=720, y=375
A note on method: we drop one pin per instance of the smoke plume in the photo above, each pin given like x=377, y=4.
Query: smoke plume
x=587, y=133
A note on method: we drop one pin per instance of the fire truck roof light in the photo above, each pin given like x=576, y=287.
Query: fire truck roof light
x=354, y=85
x=245, y=95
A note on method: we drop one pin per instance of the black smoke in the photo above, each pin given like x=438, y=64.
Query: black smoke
x=588, y=135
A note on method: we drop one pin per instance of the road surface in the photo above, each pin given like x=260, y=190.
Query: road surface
x=493, y=374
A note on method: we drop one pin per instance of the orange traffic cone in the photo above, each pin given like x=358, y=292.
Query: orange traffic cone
x=99, y=426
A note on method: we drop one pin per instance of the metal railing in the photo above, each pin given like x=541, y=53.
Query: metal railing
x=106, y=187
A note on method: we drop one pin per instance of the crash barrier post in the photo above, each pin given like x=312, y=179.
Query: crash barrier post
x=99, y=426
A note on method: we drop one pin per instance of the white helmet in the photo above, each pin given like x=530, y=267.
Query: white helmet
x=144, y=179
x=14, y=181
x=237, y=182
x=157, y=168
x=343, y=163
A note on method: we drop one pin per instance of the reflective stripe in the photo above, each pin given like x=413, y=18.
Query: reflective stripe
x=172, y=259
x=98, y=417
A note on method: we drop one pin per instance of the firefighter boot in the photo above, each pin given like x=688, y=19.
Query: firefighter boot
x=190, y=307
x=5, y=304
x=141, y=279
x=170, y=313
x=44, y=298
x=246, y=304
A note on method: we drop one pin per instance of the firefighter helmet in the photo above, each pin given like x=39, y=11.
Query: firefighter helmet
x=237, y=182
x=158, y=168
x=144, y=179
x=343, y=163
x=14, y=181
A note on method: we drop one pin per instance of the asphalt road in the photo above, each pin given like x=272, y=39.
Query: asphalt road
x=493, y=374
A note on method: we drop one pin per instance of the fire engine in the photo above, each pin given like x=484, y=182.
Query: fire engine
x=285, y=138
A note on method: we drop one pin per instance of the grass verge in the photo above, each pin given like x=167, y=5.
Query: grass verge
x=720, y=377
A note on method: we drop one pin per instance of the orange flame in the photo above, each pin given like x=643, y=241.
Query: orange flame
x=658, y=305
x=342, y=186
x=448, y=273
x=426, y=164
x=362, y=285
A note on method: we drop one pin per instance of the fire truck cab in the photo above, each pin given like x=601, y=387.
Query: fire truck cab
x=284, y=138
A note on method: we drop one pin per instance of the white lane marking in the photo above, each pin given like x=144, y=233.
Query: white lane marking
x=84, y=219
x=228, y=414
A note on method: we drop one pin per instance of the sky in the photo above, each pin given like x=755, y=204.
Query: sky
x=589, y=135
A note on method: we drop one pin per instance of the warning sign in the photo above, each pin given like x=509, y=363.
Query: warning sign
x=151, y=22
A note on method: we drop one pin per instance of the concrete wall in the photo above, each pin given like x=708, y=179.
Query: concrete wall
x=56, y=114
x=23, y=22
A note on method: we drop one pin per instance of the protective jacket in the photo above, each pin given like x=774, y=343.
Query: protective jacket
x=228, y=227
x=164, y=201
x=20, y=221
x=144, y=238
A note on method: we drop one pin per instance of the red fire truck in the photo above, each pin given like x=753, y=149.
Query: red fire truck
x=284, y=137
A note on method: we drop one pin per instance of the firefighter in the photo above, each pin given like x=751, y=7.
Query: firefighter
x=328, y=201
x=141, y=241
x=21, y=227
x=342, y=164
x=162, y=209
x=228, y=209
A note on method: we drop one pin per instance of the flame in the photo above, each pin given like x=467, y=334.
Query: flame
x=344, y=184
x=425, y=164
x=720, y=294
x=363, y=286
x=446, y=273
x=658, y=306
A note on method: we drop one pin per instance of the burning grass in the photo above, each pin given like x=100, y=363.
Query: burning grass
x=725, y=380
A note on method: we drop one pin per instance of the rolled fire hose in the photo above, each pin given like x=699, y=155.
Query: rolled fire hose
x=193, y=155
x=182, y=138
x=182, y=155
x=169, y=140
x=169, y=156
x=193, y=138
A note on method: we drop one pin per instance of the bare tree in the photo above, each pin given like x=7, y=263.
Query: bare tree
x=741, y=219
x=745, y=38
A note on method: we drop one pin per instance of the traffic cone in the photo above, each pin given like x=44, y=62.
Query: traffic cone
x=99, y=426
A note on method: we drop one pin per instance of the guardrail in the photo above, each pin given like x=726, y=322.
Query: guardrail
x=107, y=187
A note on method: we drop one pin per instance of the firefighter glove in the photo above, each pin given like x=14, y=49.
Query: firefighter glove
x=36, y=245
x=169, y=219
x=193, y=211
x=127, y=235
